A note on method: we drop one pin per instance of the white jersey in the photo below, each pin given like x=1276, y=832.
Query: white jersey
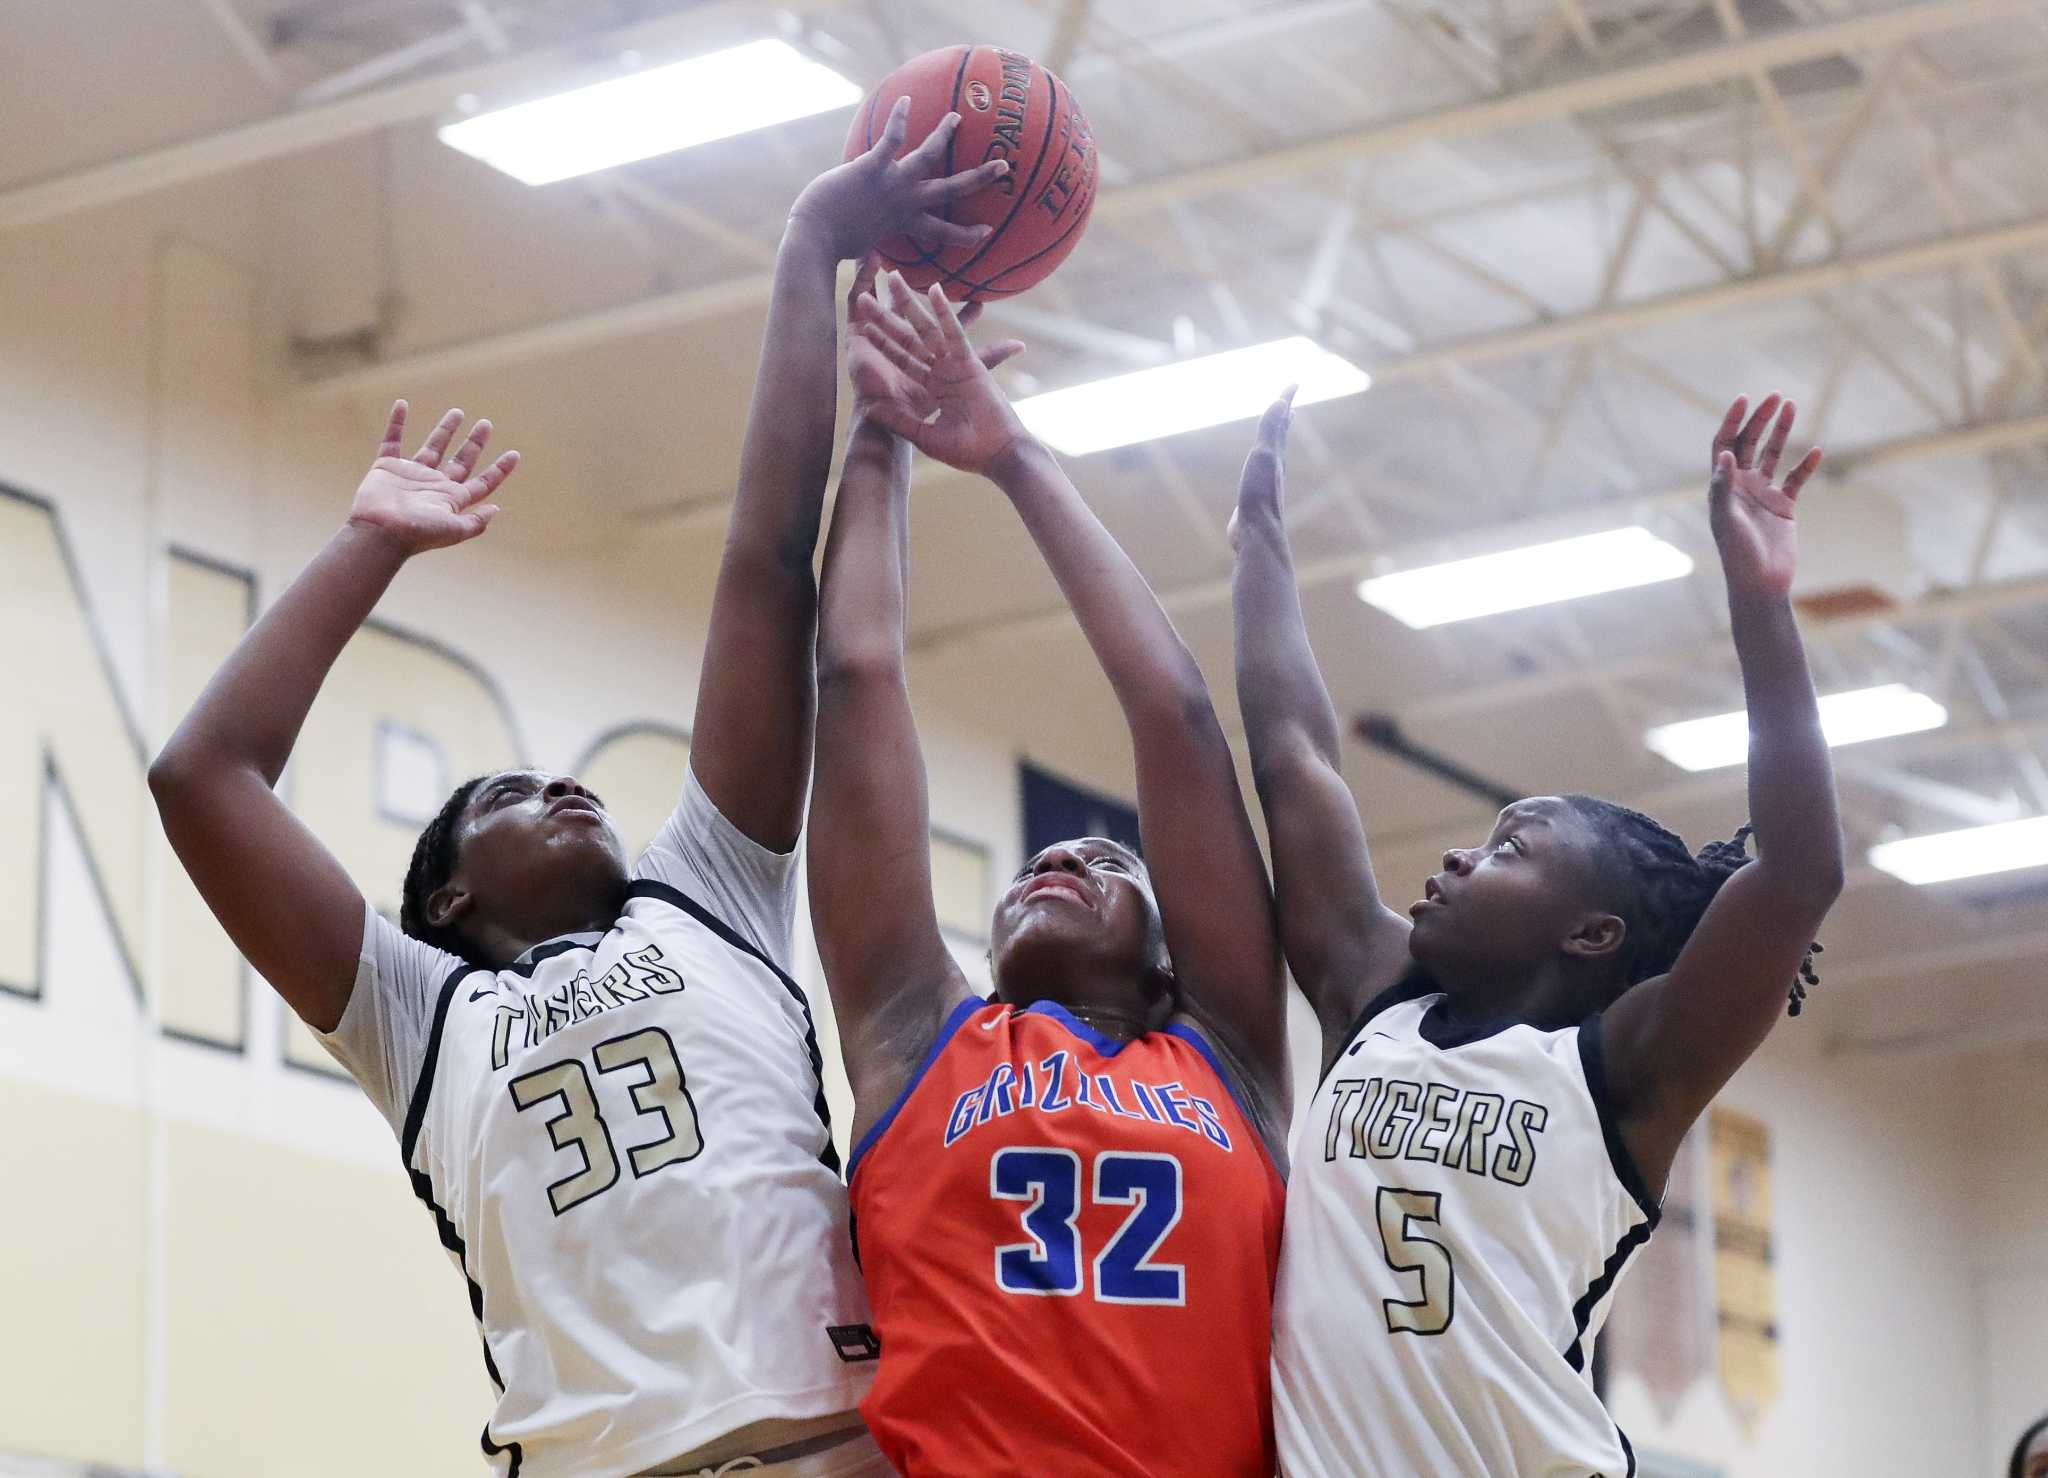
x=622, y=1140
x=1460, y=1209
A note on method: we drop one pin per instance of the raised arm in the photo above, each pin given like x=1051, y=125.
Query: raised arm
x=1674, y=1041
x=1199, y=845
x=891, y=977
x=1343, y=944
x=751, y=738
x=280, y=894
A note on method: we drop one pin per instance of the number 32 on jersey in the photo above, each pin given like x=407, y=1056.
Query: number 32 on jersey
x=1049, y=1183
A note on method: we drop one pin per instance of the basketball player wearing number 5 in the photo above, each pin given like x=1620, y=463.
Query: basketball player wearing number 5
x=1508, y=1077
x=605, y=1084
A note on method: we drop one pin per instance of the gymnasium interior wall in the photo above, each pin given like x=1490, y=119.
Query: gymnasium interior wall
x=209, y=1259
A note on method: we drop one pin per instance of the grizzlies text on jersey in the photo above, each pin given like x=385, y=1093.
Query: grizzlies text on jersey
x=1070, y=1243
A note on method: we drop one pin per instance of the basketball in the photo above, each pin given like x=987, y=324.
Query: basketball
x=1010, y=108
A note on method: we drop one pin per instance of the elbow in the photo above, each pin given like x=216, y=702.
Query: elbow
x=171, y=775
x=850, y=666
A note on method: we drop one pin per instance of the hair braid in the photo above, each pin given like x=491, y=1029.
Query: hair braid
x=433, y=863
x=1668, y=888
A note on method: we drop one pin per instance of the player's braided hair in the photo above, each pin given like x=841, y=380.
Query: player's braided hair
x=1669, y=888
x=2018, y=1466
x=433, y=863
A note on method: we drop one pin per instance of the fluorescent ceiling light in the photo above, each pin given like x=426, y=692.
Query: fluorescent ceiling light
x=1211, y=391
x=1845, y=718
x=1965, y=854
x=653, y=112
x=1518, y=578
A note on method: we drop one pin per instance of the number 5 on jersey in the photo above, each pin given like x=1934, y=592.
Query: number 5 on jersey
x=1402, y=1215
x=1049, y=1182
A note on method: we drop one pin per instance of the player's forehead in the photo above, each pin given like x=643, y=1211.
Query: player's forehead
x=1089, y=849
x=1097, y=848
x=1535, y=810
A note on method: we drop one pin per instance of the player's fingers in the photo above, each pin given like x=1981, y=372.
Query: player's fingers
x=892, y=328
x=917, y=308
x=393, y=439
x=491, y=478
x=1753, y=429
x=953, y=187
x=436, y=445
x=926, y=159
x=864, y=273
x=476, y=520
x=472, y=448
x=948, y=320
x=1723, y=478
x=930, y=230
x=1279, y=416
x=1796, y=479
x=891, y=142
x=970, y=311
x=1001, y=353
x=1731, y=424
x=904, y=358
x=1774, y=444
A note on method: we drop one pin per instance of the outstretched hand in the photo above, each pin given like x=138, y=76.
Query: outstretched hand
x=915, y=373
x=1262, y=484
x=430, y=500
x=1753, y=517
x=876, y=195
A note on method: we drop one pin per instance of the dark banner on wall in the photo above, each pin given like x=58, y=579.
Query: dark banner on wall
x=1058, y=810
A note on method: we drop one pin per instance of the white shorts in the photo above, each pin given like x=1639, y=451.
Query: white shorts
x=857, y=1457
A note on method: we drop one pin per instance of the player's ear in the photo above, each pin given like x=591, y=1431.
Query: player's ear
x=447, y=904
x=1595, y=936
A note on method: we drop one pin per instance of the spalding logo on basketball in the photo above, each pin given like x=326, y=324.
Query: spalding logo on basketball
x=1010, y=108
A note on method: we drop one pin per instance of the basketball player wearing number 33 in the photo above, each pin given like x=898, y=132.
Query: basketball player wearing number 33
x=1068, y=1197
x=1509, y=1071
x=605, y=1084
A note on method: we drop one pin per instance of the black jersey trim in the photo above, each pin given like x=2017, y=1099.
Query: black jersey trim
x=1593, y=1061
x=1582, y=1311
x=651, y=888
x=423, y=1187
x=524, y=968
x=423, y=1086
x=1412, y=986
x=948, y=1029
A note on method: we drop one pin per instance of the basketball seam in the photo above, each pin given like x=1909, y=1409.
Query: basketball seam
x=958, y=274
x=1050, y=247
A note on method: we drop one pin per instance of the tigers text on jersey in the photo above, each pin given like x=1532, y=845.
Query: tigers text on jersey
x=1460, y=1207
x=1070, y=1243
x=622, y=1141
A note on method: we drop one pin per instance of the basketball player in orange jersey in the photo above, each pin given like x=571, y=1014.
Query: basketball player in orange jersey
x=1067, y=1198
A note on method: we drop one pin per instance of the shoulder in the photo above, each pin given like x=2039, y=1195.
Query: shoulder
x=1264, y=1106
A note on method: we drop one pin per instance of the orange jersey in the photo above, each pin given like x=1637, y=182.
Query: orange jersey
x=1070, y=1245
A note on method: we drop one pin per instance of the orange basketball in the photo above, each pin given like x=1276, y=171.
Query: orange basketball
x=1010, y=108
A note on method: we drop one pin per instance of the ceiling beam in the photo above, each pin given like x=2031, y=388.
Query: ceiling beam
x=307, y=128
x=296, y=131
x=1202, y=594
x=1699, y=304
x=1582, y=94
